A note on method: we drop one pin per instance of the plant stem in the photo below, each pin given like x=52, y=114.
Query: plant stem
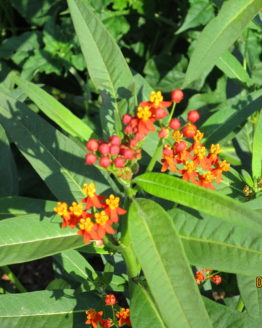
x=240, y=305
x=159, y=146
x=13, y=279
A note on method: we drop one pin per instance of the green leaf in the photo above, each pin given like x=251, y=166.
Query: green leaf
x=32, y=237
x=17, y=206
x=220, y=33
x=57, y=159
x=230, y=115
x=213, y=243
x=76, y=266
x=55, y=110
x=199, y=13
x=170, y=279
x=105, y=63
x=143, y=310
x=222, y=316
x=8, y=172
x=56, y=309
x=228, y=64
x=251, y=294
x=256, y=151
x=199, y=198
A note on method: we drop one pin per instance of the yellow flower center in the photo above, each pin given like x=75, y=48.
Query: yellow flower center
x=89, y=189
x=198, y=136
x=208, y=177
x=215, y=149
x=61, y=209
x=86, y=224
x=156, y=97
x=189, y=166
x=101, y=218
x=177, y=136
x=76, y=209
x=143, y=113
x=224, y=166
x=200, y=151
x=113, y=202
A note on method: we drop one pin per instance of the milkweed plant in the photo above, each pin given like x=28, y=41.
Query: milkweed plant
x=153, y=217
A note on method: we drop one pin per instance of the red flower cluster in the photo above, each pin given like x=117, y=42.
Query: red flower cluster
x=190, y=159
x=200, y=276
x=94, y=225
x=95, y=318
x=119, y=155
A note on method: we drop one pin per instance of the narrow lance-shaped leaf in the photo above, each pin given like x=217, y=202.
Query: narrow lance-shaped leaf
x=143, y=310
x=257, y=150
x=169, y=277
x=232, y=67
x=57, y=159
x=219, y=34
x=105, y=63
x=32, y=237
x=8, y=173
x=56, y=309
x=55, y=110
x=208, y=201
x=212, y=243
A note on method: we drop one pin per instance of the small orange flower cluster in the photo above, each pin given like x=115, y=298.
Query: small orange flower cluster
x=119, y=155
x=94, y=225
x=190, y=159
x=200, y=276
x=94, y=318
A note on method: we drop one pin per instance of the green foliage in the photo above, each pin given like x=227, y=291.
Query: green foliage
x=69, y=70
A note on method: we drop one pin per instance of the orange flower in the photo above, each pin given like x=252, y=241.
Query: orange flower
x=94, y=318
x=72, y=217
x=110, y=299
x=156, y=101
x=189, y=172
x=199, y=276
x=221, y=167
x=113, y=209
x=124, y=317
x=92, y=198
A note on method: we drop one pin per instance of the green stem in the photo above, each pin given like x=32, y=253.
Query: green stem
x=13, y=279
x=157, y=152
x=240, y=305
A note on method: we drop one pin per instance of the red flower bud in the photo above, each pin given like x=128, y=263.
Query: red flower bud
x=126, y=119
x=180, y=146
x=110, y=299
x=115, y=140
x=128, y=129
x=128, y=153
x=92, y=145
x=160, y=113
x=104, y=149
x=216, y=279
x=114, y=150
x=164, y=132
x=193, y=116
x=90, y=158
x=104, y=161
x=189, y=130
x=119, y=162
x=177, y=95
x=175, y=124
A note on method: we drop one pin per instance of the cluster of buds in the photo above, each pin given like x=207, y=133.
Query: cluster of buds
x=96, y=219
x=247, y=191
x=254, y=190
x=119, y=156
x=185, y=154
x=96, y=318
x=203, y=275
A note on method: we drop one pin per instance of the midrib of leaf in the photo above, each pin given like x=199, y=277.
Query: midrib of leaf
x=198, y=195
x=36, y=240
x=208, y=241
x=220, y=34
x=41, y=314
x=47, y=150
x=98, y=50
x=230, y=69
x=164, y=268
x=74, y=264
